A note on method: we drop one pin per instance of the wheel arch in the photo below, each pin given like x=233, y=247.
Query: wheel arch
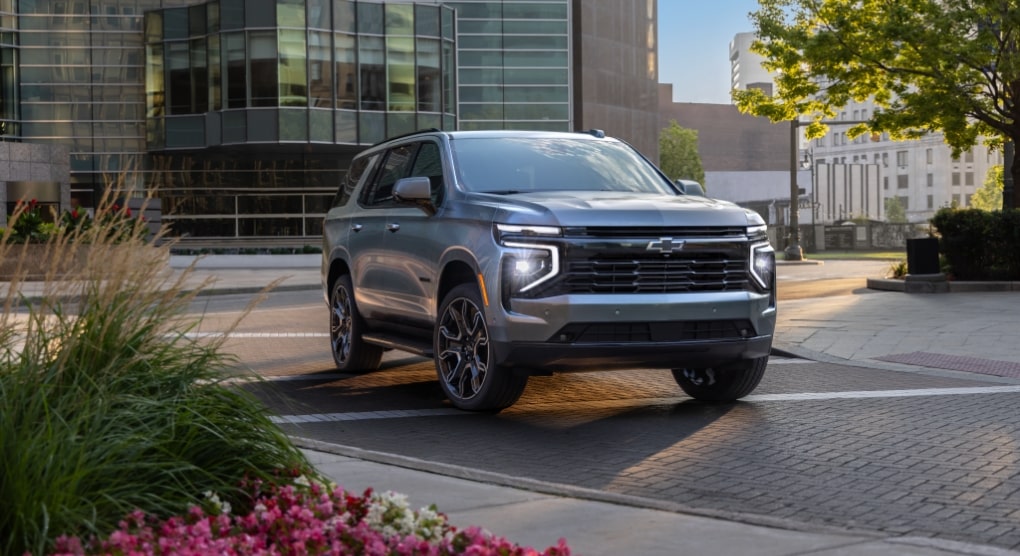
x=456, y=271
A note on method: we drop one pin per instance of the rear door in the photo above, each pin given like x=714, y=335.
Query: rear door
x=370, y=263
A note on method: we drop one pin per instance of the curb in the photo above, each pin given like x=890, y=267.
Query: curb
x=937, y=283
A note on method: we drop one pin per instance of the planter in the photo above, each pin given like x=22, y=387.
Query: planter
x=39, y=261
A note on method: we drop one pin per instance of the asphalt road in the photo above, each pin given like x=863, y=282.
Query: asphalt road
x=816, y=445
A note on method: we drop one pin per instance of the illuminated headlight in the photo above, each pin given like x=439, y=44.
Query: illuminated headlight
x=533, y=265
x=763, y=265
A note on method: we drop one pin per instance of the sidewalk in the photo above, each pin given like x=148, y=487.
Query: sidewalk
x=945, y=333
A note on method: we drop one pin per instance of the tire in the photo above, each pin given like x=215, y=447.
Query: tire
x=350, y=352
x=463, y=354
x=722, y=384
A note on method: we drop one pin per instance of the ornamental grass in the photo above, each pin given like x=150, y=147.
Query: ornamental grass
x=108, y=406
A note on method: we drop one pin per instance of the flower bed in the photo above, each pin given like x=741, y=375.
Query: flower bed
x=316, y=519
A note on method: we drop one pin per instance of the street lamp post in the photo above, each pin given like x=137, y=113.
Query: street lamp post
x=793, y=250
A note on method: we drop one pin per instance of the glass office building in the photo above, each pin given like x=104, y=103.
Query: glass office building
x=243, y=114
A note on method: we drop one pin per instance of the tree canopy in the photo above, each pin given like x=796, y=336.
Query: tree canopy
x=678, y=153
x=989, y=196
x=949, y=66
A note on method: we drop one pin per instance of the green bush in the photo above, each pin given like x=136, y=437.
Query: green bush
x=980, y=245
x=108, y=406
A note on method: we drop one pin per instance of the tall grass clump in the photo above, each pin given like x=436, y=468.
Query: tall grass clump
x=106, y=405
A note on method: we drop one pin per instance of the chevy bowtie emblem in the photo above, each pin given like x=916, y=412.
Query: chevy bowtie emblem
x=665, y=245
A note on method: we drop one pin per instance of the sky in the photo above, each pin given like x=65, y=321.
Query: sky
x=694, y=46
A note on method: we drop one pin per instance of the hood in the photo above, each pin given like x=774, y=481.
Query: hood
x=596, y=208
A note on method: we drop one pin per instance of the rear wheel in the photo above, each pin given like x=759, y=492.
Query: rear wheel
x=463, y=356
x=350, y=352
x=722, y=384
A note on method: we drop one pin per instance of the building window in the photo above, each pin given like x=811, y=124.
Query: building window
x=968, y=178
x=956, y=178
x=902, y=181
x=904, y=202
x=885, y=160
x=901, y=159
x=956, y=199
x=967, y=199
x=928, y=155
x=969, y=156
x=885, y=182
x=931, y=179
x=931, y=201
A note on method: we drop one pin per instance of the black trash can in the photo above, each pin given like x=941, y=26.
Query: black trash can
x=923, y=256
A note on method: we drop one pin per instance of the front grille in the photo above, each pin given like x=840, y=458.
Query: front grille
x=651, y=232
x=643, y=332
x=677, y=274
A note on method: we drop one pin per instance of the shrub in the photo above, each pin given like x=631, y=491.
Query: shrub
x=980, y=245
x=108, y=406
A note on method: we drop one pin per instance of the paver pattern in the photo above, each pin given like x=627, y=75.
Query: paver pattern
x=933, y=466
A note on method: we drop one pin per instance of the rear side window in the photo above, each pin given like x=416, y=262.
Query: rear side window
x=395, y=166
x=354, y=176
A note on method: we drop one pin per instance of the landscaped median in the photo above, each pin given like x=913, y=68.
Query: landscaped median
x=121, y=435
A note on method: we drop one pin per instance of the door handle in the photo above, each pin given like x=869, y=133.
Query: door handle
x=393, y=227
x=356, y=227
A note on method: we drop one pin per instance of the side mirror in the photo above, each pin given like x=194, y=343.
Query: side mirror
x=689, y=187
x=415, y=191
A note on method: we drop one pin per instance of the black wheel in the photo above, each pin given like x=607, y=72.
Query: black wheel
x=721, y=384
x=463, y=355
x=350, y=353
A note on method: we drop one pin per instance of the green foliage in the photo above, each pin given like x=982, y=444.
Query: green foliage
x=897, y=269
x=894, y=211
x=980, y=245
x=989, y=196
x=678, y=153
x=929, y=65
x=108, y=406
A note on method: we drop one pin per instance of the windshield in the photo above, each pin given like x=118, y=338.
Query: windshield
x=511, y=165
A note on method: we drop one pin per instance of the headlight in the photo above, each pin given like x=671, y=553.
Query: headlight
x=531, y=266
x=763, y=265
x=507, y=230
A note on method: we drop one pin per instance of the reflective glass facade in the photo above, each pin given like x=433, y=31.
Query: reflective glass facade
x=245, y=113
x=514, y=64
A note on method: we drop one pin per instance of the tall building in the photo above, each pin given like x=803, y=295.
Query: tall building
x=243, y=114
x=746, y=71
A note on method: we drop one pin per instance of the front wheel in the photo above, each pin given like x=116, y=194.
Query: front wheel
x=463, y=356
x=721, y=384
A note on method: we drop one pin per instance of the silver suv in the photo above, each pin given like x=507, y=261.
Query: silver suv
x=503, y=254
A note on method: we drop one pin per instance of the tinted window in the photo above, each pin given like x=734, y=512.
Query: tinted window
x=394, y=167
x=524, y=164
x=354, y=175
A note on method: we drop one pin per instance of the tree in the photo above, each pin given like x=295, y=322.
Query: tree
x=929, y=65
x=989, y=196
x=678, y=153
x=894, y=211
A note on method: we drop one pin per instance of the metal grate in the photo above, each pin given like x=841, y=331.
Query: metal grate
x=631, y=332
x=657, y=275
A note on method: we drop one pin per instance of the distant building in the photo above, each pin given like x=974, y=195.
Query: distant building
x=746, y=158
x=746, y=71
x=922, y=174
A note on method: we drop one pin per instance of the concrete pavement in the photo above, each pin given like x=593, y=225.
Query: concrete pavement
x=951, y=334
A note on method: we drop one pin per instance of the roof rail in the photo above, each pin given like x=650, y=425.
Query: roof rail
x=595, y=133
x=401, y=136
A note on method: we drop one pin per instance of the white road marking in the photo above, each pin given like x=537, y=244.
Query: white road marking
x=248, y=335
x=610, y=404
